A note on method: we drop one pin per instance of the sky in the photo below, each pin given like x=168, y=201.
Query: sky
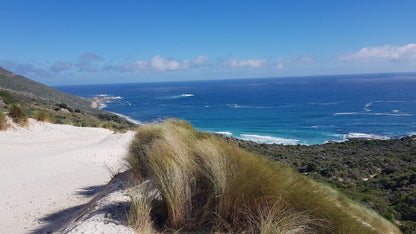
x=98, y=42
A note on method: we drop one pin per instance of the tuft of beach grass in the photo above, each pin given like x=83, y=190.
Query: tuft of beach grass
x=4, y=125
x=17, y=114
x=209, y=183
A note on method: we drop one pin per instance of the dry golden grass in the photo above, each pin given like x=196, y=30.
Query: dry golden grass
x=208, y=182
x=4, y=125
x=139, y=214
x=17, y=114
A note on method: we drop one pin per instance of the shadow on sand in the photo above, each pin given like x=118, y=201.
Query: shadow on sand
x=57, y=221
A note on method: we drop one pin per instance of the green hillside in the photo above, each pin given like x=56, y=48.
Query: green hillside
x=380, y=174
x=31, y=88
x=42, y=102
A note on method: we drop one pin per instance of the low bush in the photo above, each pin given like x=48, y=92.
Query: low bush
x=7, y=97
x=4, y=125
x=17, y=114
x=64, y=106
x=209, y=182
x=43, y=116
x=408, y=227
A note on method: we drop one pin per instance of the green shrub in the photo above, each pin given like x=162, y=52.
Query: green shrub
x=7, y=97
x=17, y=114
x=43, y=116
x=110, y=117
x=64, y=106
x=408, y=227
x=3, y=122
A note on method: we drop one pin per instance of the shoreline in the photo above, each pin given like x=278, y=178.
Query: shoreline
x=99, y=102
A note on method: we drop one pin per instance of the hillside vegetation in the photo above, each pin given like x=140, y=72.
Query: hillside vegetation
x=380, y=174
x=209, y=184
x=36, y=90
x=22, y=97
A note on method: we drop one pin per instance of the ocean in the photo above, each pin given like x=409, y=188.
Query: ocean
x=293, y=110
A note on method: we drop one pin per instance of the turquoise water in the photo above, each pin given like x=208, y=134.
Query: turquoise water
x=302, y=110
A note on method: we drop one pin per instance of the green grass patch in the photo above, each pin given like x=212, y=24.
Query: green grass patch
x=7, y=97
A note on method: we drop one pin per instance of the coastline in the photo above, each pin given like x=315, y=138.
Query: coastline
x=99, y=101
x=126, y=117
x=283, y=117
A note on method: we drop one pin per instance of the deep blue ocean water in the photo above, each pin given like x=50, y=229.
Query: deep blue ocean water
x=296, y=110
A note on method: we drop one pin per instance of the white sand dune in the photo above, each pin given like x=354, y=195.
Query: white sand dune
x=46, y=168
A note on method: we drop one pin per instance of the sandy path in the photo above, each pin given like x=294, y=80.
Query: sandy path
x=44, y=167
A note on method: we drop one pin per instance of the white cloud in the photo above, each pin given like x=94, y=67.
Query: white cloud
x=202, y=60
x=158, y=63
x=283, y=61
x=162, y=64
x=253, y=63
x=279, y=63
x=387, y=52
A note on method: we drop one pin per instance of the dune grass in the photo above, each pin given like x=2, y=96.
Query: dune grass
x=210, y=183
x=43, y=116
x=139, y=215
x=17, y=114
x=4, y=125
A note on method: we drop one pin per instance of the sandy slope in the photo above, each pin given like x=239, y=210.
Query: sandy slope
x=45, y=168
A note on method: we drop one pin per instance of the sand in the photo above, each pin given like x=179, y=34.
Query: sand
x=48, y=170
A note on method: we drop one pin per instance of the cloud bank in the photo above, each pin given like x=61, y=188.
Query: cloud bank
x=253, y=63
x=387, y=52
x=93, y=63
x=158, y=63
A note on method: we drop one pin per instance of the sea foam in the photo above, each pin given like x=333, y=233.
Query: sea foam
x=268, y=139
x=187, y=95
x=366, y=136
x=184, y=95
x=346, y=113
x=225, y=133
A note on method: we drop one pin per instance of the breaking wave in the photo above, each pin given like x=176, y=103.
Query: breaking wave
x=268, y=139
x=366, y=136
x=184, y=95
x=225, y=133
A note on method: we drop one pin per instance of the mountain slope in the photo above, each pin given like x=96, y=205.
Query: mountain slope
x=10, y=81
x=40, y=101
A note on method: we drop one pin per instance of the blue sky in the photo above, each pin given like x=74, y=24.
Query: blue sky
x=81, y=42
